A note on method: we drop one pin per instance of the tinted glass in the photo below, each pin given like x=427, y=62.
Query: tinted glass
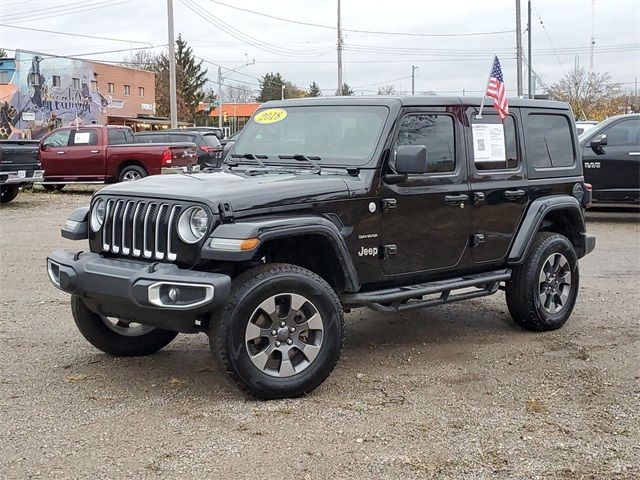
x=624, y=134
x=151, y=138
x=57, y=139
x=549, y=141
x=116, y=137
x=211, y=140
x=83, y=137
x=343, y=135
x=436, y=133
x=510, y=142
x=180, y=137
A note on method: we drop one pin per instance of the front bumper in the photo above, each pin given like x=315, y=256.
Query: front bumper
x=140, y=291
x=21, y=176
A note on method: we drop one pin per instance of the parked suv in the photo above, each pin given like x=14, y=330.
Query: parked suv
x=207, y=143
x=325, y=205
x=611, y=156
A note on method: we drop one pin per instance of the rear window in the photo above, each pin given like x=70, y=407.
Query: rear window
x=211, y=140
x=549, y=141
x=180, y=137
x=494, y=150
x=151, y=138
x=119, y=136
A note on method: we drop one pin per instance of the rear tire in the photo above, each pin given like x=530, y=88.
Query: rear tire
x=8, y=193
x=131, y=173
x=107, y=338
x=306, y=316
x=542, y=291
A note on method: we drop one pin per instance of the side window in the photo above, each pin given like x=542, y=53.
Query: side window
x=549, y=141
x=83, y=137
x=495, y=145
x=116, y=137
x=624, y=134
x=57, y=139
x=436, y=133
x=128, y=136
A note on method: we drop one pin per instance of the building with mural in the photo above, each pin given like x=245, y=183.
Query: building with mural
x=40, y=92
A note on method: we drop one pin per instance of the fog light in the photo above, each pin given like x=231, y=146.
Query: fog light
x=173, y=294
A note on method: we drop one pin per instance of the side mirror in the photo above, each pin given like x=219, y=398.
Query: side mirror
x=599, y=141
x=43, y=147
x=227, y=148
x=411, y=159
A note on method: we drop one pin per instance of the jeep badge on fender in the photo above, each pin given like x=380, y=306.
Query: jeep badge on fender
x=266, y=255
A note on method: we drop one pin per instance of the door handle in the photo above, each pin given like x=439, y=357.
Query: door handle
x=456, y=199
x=61, y=153
x=94, y=151
x=514, y=194
x=633, y=154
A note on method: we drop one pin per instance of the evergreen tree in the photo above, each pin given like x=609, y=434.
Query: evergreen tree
x=314, y=90
x=270, y=87
x=345, y=90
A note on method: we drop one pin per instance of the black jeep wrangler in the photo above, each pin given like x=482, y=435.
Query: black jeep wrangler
x=330, y=204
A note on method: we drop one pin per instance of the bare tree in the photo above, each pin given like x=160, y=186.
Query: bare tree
x=142, y=60
x=592, y=95
x=387, y=90
x=237, y=93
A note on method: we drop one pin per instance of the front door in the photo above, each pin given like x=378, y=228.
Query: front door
x=614, y=169
x=54, y=151
x=86, y=153
x=499, y=191
x=425, y=219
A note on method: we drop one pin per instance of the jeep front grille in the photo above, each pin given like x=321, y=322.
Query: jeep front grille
x=141, y=228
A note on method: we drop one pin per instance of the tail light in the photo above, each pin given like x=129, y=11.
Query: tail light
x=166, y=158
x=588, y=195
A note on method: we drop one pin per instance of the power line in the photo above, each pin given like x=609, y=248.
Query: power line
x=549, y=39
x=21, y=17
x=374, y=32
x=71, y=34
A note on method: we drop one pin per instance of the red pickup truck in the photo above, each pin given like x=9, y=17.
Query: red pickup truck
x=107, y=154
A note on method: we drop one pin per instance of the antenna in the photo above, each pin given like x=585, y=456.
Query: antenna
x=593, y=36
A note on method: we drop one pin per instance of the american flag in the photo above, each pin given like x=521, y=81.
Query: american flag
x=497, y=91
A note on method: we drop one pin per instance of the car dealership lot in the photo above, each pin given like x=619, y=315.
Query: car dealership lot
x=444, y=392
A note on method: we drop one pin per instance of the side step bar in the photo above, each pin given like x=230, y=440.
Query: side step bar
x=412, y=296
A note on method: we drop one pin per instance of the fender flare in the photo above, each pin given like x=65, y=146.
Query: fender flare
x=536, y=213
x=269, y=228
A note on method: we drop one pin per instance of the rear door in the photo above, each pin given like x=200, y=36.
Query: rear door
x=86, y=153
x=499, y=192
x=54, y=151
x=614, y=169
x=425, y=218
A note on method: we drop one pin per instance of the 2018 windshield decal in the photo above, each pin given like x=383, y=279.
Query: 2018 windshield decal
x=271, y=115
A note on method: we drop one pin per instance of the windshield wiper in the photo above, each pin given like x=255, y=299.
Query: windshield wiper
x=251, y=156
x=303, y=158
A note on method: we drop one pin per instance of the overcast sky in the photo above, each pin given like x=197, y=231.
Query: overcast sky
x=303, y=53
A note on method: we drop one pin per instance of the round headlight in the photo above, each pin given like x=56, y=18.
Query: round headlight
x=193, y=224
x=97, y=214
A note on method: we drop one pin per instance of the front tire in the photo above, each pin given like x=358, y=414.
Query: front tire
x=116, y=337
x=281, y=333
x=7, y=194
x=542, y=291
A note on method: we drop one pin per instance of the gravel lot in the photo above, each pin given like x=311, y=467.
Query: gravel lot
x=449, y=392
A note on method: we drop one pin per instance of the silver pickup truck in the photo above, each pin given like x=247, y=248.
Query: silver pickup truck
x=19, y=165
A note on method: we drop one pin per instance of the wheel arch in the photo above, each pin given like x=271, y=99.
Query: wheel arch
x=558, y=213
x=312, y=242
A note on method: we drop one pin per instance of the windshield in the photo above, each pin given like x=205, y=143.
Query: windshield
x=338, y=135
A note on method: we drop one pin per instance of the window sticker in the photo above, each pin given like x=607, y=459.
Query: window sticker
x=81, y=137
x=271, y=115
x=488, y=143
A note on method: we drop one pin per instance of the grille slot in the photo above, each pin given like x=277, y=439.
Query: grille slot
x=142, y=229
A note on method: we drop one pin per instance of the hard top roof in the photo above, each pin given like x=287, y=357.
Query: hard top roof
x=411, y=101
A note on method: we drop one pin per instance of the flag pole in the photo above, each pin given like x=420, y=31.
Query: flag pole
x=484, y=95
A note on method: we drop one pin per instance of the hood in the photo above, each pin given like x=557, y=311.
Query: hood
x=241, y=190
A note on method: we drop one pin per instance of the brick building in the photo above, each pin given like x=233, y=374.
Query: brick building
x=40, y=92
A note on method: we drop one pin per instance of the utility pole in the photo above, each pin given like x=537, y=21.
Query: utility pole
x=220, y=97
x=593, y=34
x=173, y=100
x=413, y=79
x=519, y=48
x=282, y=95
x=529, y=60
x=339, y=51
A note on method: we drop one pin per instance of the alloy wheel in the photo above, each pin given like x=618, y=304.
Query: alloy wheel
x=127, y=329
x=554, y=283
x=284, y=335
